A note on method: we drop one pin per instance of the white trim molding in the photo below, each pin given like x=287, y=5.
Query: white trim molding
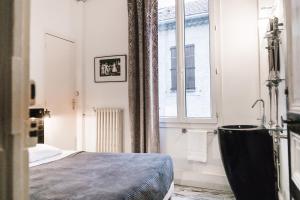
x=295, y=158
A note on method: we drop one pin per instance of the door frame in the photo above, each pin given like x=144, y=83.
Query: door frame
x=14, y=101
x=293, y=105
x=293, y=126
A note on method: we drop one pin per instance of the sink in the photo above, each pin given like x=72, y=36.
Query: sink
x=239, y=127
x=247, y=156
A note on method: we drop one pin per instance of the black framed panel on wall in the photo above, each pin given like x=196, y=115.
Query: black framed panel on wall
x=110, y=69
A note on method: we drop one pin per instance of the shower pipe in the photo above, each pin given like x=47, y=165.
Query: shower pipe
x=273, y=82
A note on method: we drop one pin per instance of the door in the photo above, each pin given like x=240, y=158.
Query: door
x=293, y=78
x=60, y=92
x=14, y=99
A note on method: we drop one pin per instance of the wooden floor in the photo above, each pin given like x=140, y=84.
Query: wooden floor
x=191, y=193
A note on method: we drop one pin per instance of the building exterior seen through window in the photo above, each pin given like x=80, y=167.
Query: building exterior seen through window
x=189, y=67
x=197, y=92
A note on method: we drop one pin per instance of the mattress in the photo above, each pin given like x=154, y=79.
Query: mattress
x=102, y=176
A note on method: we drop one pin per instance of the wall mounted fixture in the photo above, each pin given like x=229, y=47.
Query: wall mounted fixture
x=36, y=125
x=47, y=113
x=263, y=118
x=273, y=37
x=32, y=93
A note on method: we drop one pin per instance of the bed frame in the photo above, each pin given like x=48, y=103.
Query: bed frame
x=37, y=115
x=170, y=192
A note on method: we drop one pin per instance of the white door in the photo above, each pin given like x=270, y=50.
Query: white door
x=60, y=92
x=293, y=38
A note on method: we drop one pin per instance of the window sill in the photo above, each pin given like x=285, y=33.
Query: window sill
x=209, y=123
x=187, y=90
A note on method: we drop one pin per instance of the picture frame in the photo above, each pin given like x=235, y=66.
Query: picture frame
x=110, y=69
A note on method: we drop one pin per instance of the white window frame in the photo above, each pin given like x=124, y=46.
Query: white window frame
x=181, y=118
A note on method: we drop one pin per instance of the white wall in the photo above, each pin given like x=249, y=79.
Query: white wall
x=239, y=61
x=62, y=18
x=105, y=33
x=208, y=175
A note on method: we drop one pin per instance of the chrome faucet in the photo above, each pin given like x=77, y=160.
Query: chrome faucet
x=263, y=118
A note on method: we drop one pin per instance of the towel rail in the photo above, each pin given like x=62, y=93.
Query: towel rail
x=185, y=131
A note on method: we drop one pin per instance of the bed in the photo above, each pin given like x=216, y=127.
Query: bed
x=67, y=175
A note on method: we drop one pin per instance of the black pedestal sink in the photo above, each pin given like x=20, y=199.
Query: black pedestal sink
x=247, y=155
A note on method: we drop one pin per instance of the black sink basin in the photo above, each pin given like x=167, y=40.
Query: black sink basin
x=247, y=155
x=239, y=127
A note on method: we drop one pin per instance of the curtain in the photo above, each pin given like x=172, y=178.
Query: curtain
x=143, y=75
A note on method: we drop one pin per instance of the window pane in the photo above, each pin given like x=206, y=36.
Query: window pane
x=167, y=58
x=173, y=68
x=197, y=69
x=190, y=67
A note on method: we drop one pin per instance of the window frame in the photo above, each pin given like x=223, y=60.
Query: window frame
x=181, y=118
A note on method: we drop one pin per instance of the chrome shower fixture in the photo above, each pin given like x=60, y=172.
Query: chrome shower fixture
x=274, y=40
x=270, y=86
x=273, y=82
x=273, y=37
x=263, y=118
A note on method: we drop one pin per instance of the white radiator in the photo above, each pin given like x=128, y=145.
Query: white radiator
x=109, y=130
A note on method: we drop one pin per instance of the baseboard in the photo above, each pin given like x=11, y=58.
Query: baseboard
x=210, y=179
x=208, y=185
x=282, y=195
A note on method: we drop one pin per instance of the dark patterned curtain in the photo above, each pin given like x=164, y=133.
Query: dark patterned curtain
x=143, y=75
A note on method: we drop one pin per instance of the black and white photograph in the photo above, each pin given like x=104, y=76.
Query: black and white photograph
x=110, y=69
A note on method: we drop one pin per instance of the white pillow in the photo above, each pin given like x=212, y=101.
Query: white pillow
x=42, y=151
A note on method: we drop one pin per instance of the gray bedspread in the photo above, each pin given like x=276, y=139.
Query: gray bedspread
x=103, y=176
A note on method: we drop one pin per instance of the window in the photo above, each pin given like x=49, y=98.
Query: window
x=184, y=48
x=190, y=68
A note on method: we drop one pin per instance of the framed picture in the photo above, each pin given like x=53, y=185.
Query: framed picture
x=110, y=69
